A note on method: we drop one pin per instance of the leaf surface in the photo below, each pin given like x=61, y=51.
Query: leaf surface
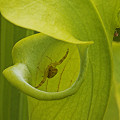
x=75, y=21
x=11, y=99
x=116, y=54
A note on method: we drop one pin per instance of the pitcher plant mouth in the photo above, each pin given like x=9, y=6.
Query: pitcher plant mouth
x=23, y=73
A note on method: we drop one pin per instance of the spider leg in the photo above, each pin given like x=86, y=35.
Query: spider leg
x=60, y=78
x=38, y=70
x=49, y=58
x=64, y=57
x=61, y=60
x=62, y=74
x=44, y=79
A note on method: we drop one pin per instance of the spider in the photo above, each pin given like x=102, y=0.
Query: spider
x=51, y=70
x=116, y=34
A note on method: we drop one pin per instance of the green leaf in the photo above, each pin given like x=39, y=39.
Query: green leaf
x=119, y=18
x=71, y=21
x=112, y=111
x=68, y=20
x=11, y=100
x=116, y=54
x=33, y=59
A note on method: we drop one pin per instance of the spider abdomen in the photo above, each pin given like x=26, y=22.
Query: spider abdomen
x=52, y=71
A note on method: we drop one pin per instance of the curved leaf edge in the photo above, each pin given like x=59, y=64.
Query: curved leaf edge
x=18, y=75
x=71, y=39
